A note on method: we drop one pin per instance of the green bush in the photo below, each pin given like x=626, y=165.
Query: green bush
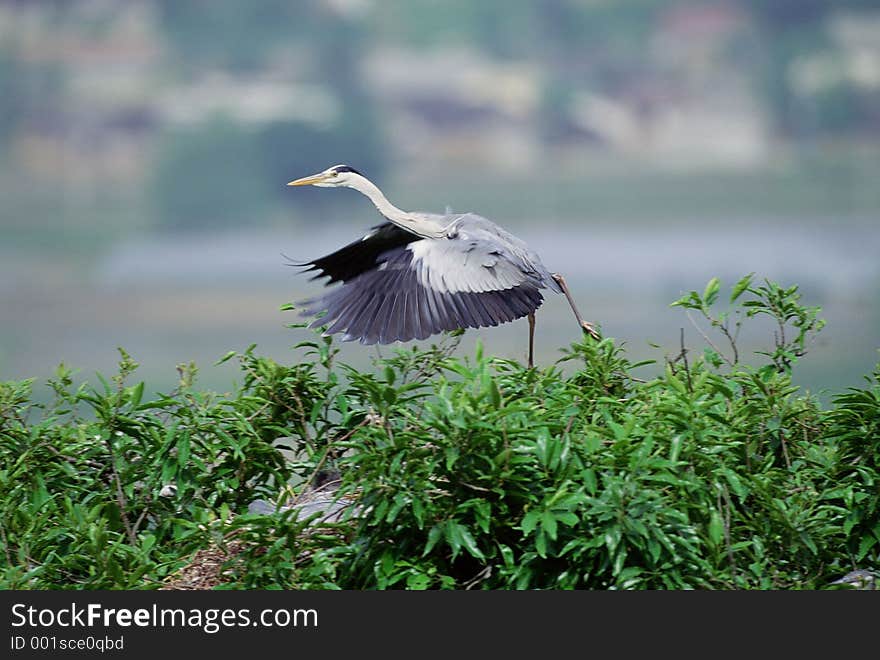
x=462, y=473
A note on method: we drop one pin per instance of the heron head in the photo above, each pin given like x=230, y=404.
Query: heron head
x=859, y=579
x=332, y=177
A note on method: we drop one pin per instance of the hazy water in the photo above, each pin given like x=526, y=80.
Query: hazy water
x=180, y=299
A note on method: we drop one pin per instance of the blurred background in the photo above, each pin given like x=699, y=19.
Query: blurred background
x=640, y=146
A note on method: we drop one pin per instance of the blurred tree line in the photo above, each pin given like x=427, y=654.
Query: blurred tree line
x=792, y=29
x=220, y=171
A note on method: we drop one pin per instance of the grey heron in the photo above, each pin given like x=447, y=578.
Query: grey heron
x=419, y=274
x=859, y=579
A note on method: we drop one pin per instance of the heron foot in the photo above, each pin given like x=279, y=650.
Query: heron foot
x=591, y=330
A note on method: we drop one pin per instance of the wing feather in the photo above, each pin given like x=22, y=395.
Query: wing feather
x=439, y=315
x=415, y=313
x=361, y=255
x=358, y=324
x=420, y=287
x=454, y=266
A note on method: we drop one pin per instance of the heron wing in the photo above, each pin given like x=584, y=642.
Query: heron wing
x=361, y=255
x=469, y=264
x=417, y=291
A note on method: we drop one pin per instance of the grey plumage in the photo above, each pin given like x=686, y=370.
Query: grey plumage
x=859, y=579
x=423, y=273
x=478, y=276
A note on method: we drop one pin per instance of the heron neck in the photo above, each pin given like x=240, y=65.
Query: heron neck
x=416, y=224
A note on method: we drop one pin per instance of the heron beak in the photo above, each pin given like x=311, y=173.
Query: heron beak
x=309, y=180
x=844, y=581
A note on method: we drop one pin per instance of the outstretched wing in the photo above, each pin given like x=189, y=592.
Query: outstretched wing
x=426, y=286
x=360, y=256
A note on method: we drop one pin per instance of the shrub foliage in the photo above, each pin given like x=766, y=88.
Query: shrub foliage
x=462, y=473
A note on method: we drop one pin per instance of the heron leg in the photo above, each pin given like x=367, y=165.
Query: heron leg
x=585, y=326
x=531, y=340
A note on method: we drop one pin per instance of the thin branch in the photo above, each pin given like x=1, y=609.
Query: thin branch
x=6, y=545
x=739, y=324
x=570, y=422
x=784, y=449
x=137, y=523
x=484, y=574
x=706, y=337
x=120, y=496
x=684, y=359
x=623, y=374
x=731, y=340
x=681, y=357
x=71, y=459
x=472, y=487
x=727, y=508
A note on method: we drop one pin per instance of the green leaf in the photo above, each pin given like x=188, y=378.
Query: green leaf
x=619, y=558
x=434, y=535
x=865, y=546
x=418, y=511
x=418, y=582
x=612, y=538
x=226, y=358
x=530, y=521
x=674, y=448
x=736, y=484
x=469, y=543
x=689, y=301
x=169, y=470
x=548, y=524
x=589, y=478
x=808, y=541
x=494, y=394
x=628, y=578
x=137, y=393
x=452, y=454
x=541, y=544
x=710, y=294
x=716, y=528
x=741, y=286
x=457, y=536
x=183, y=449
